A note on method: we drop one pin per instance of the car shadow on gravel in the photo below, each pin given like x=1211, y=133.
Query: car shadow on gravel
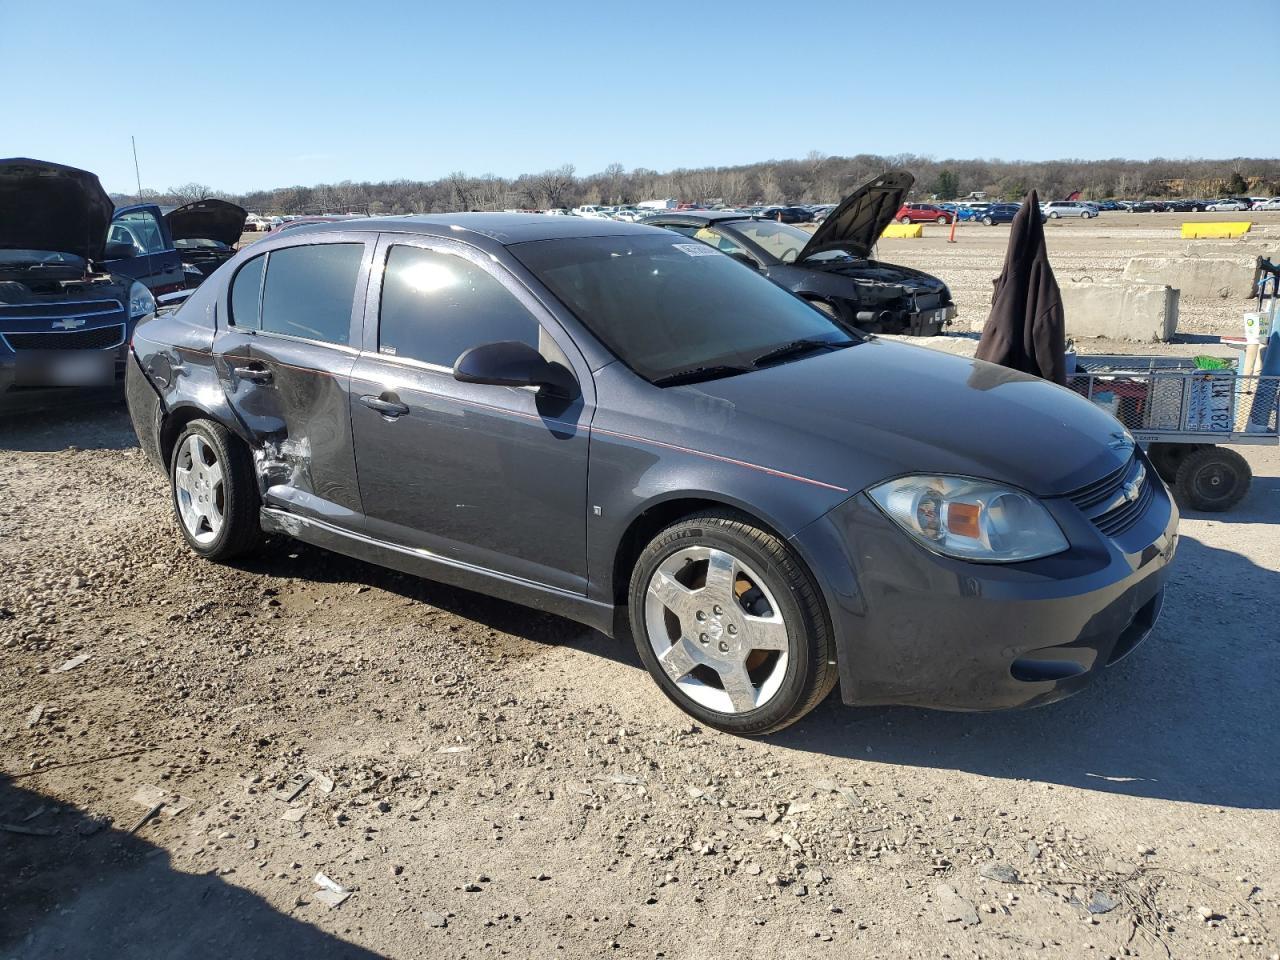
x=294, y=560
x=1189, y=716
x=113, y=894
x=91, y=420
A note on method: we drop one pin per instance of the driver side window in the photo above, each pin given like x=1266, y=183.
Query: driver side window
x=139, y=228
x=436, y=306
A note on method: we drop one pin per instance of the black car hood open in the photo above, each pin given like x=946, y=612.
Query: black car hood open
x=207, y=220
x=46, y=206
x=857, y=223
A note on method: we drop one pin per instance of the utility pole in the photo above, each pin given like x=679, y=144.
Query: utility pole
x=136, y=172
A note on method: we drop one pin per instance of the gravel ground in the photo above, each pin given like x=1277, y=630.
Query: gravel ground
x=490, y=781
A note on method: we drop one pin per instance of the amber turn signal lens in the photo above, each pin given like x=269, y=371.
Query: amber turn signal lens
x=962, y=519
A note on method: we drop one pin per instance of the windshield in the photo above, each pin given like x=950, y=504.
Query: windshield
x=779, y=239
x=50, y=257
x=666, y=306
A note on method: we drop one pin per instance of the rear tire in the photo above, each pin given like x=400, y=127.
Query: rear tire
x=1212, y=479
x=731, y=625
x=942, y=220
x=214, y=491
x=1053, y=216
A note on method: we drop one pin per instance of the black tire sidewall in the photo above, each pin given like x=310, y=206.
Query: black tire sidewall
x=792, y=693
x=1191, y=466
x=235, y=515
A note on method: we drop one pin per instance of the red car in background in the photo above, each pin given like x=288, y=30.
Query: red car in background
x=922, y=213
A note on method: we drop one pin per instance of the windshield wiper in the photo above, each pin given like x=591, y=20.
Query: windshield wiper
x=797, y=348
x=694, y=374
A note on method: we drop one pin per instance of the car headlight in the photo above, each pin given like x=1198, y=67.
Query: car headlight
x=970, y=519
x=141, y=302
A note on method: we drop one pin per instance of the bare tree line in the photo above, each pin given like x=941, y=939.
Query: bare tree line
x=814, y=179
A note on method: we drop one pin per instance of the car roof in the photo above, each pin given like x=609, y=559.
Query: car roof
x=504, y=228
x=705, y=216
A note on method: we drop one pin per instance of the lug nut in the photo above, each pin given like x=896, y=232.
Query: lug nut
x=702, y=614
x=724, y=647
x=716, y=609
x=702, y=637
x=732, y=629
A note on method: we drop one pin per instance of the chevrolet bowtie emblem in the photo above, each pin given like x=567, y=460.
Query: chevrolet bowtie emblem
x=70, y=323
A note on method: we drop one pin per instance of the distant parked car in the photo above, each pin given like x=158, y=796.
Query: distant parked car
x=1272, y=204
x=832, y=268
x=788, y=214
x=923, y=213
x=1002, y=213
x=1146, y=206
x=1067, y=208
x=1227, y=204
x=1107, y=205
x=972, y=212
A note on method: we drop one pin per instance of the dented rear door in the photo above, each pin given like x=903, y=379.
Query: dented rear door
x=292, y=391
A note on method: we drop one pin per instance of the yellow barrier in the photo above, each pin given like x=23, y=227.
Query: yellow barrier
x=1207, y=231
x=903, y=231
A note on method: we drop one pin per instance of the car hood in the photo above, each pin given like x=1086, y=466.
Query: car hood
x=856, y=224
x=879, y=409
x=46, y=206
x=207, y=220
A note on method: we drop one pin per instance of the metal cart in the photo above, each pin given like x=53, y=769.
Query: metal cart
x=1187, y=418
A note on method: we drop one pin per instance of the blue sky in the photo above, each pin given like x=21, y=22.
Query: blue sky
x=240, y=95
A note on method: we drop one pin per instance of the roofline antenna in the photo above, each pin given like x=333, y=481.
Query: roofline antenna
x=136, y=172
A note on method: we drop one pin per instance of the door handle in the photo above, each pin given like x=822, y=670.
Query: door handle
x=255, y=373
x=388, y=408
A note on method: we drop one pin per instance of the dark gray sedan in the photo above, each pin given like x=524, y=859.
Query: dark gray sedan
x=629, y=428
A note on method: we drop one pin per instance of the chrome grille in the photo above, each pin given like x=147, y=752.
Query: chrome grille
x=51, y=310
x=1116, y=502
x=99, y=338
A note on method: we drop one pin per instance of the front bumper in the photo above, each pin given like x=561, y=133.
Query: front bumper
x=919, y=629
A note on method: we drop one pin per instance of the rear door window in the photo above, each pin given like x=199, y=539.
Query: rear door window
x=436, y=306
x=246, y=294
x=309, y=291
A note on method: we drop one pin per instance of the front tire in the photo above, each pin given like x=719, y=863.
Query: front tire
x=215, y=495
x=904, y=219
x=1212, y=479
x=942, y=220
x=988, y=221
x=730, y=625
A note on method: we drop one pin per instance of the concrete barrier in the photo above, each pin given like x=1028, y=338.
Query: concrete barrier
x=1208, y=277
x=1202, y=231
x=903, y=231
x=1120, y=310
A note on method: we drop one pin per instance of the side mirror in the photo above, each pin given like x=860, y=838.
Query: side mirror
x=509, y=363
x=118, y=250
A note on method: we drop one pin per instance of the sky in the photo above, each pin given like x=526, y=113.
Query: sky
x=244, y=95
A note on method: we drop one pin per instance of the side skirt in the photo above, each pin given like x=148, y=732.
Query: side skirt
x=431, y=566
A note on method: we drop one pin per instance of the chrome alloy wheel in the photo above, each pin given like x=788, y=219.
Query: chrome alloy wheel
x=716, y=629
x=198, y=484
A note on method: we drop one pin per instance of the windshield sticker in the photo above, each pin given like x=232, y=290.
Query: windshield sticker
x=696, y=249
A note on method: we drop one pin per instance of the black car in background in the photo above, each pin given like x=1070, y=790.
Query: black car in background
x=788, y=214
x=64, y=319
x=205, y=233
x=832, y=267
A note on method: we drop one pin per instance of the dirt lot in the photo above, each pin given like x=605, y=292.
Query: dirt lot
x=504, y=782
